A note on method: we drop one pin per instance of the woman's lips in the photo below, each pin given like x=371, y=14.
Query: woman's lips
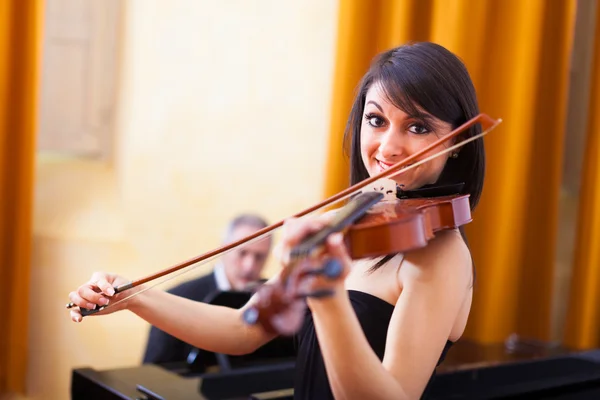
x=382, y=165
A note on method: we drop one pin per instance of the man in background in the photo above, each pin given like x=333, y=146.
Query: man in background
x=234, y=271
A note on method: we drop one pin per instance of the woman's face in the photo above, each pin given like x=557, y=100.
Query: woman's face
x=388, y=135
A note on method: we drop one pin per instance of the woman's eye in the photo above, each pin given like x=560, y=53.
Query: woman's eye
x=418, y=129
x=374, y=120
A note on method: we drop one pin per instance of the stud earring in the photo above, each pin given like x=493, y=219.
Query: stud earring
x=454, y=155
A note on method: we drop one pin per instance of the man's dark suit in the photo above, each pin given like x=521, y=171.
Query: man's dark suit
x=164, y=348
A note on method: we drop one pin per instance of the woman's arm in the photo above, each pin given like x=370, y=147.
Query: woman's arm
x=435, y=283
x=213, y=328
x=209, y=327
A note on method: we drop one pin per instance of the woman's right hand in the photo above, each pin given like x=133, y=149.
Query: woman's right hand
x=99, y=291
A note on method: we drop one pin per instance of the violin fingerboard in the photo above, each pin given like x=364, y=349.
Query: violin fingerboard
x=352, y=211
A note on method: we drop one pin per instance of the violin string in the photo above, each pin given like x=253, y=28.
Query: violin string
x=159, y=282
x=401, y=171
x=198, y=264
x=190, y=268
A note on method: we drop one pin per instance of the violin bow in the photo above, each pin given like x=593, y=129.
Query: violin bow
x=487, y=125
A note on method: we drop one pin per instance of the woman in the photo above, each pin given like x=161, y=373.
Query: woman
x=390, y=321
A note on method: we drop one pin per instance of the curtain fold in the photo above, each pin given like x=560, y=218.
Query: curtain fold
x=20, y=51
x=582, y=329
x=518, y=54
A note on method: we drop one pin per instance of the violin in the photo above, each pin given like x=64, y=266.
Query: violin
x=374, y=223
x=372, y=227
x=404, y=225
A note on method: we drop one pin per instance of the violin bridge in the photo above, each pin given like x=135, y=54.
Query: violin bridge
x=385, y=186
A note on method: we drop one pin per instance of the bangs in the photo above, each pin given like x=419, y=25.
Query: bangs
x=425, y=81
x=415, y=90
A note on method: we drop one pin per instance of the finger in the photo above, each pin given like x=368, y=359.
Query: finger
x=290, y=232
x=279, y=252
x=328, y=216
x=289, y=238
x=106, y=287
x=88, y=293
x=282, y=249
x=100, y=279
x=298, y=229
x=307, y=284
x=290, y=321
x=337, y=249
x=80, y=301
x=76, y=316
x=322, y=277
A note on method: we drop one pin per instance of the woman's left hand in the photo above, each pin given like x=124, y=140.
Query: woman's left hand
x=324, y=271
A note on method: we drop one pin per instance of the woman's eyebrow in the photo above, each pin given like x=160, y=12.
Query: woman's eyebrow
x=425, y=117
x=375, y=104
x=429, y=120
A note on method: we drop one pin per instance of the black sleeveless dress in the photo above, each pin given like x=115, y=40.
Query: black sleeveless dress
x=374, y=315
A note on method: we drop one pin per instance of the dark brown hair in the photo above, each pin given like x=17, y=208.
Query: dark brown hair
x=429, y=77
x=424, y=76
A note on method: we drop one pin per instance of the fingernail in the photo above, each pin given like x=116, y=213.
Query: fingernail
x=110, y=291
x=336, y=238
x=91, y=306
x=103, y=301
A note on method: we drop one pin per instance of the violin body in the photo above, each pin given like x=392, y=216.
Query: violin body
x=403, y=225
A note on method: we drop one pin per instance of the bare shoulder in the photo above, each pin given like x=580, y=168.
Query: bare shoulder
x=445, y=257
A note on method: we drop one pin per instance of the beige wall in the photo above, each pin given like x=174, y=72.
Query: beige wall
x=222, y=108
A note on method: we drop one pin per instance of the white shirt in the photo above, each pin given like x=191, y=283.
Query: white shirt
x=221, y=278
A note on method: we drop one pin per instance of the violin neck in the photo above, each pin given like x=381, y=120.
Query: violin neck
x=356, y=208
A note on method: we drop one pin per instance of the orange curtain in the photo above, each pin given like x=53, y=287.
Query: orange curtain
x=582, y=329
x=20, y=49
x=517, y=53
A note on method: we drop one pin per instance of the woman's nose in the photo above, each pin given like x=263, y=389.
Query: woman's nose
x=391, y=145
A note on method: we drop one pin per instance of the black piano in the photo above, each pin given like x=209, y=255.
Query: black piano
x=516, y=369
x=203, y=375
x=470, y=371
